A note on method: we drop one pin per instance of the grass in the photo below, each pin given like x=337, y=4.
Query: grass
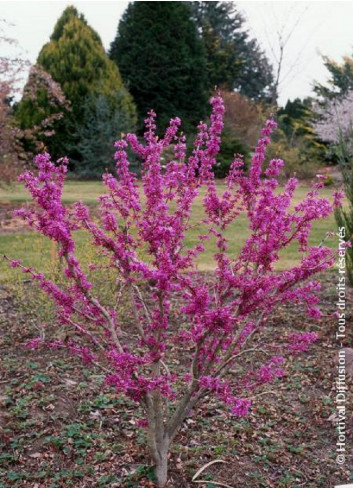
x=36, y=251
x=74, y=191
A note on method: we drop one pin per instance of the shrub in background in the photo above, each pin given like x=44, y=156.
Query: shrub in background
x=242, y=123
x=299, y=160
x=41, y=112
x=102, y=125
x=142, y=238
x=230, y=146
x=243, y=117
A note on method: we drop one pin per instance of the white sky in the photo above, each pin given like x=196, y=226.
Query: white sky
x=318, y=27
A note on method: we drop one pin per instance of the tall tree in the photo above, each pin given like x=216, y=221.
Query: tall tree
x=161, y=60
x=234, y=60
x=341, y=78
x=76, y=59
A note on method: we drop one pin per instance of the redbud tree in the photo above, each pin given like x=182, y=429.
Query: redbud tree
x=143, y=231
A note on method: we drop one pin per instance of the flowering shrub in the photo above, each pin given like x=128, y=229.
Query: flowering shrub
x=142, y=234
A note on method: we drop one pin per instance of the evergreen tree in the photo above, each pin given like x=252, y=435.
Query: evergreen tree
x=341, y=78
x=102, y=126
x=161, y=60
x=234, y=60
x=75, y=58
x=296, y=120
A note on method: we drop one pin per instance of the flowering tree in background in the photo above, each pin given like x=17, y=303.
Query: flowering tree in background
x=11, y=66
x=217, y=319
x=334, y=125
x=334, y=120
x=9, y=145
x=42, y=107
x=19, y=142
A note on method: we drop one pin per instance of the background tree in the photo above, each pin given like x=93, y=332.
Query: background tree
x=333, y=107
x=334, y=125
x=9, y=145
x=41, y=113
x=242, y=123
x=102, y=125
x=234, y=60
x=295, y=119
x=296, y=141
x=161, y=60
x=10, y=72
x=75, y=58
x=341, y=78
x=334, y=119
x=43, y=105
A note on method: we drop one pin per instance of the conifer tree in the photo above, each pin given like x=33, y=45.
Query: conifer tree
x=340, y=78
x=161, y=60
x=75, y=58
x=102, y=125
x=235, y=61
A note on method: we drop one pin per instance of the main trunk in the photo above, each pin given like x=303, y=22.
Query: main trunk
x=159, y=449
x=158, y=438
x=161, y=467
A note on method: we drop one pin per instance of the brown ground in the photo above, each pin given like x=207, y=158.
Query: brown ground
x=60, y=427
x=9, y=223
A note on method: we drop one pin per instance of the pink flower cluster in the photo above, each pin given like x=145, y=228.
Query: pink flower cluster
x=299, y=342
x=143, y=234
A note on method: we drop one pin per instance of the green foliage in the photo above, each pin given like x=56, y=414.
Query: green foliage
x=296, y=138
x=234, y=60
x=41, y=112
x=299, y=160
x=103, y=123
x=341, y=77
x=295, y=120
x=161, y=60
x=75, y=58
x=294, y=117
x=229, y=148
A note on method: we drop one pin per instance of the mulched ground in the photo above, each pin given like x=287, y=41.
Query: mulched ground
x=61, y=427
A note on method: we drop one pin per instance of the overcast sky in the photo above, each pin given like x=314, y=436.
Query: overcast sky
x=316, y=27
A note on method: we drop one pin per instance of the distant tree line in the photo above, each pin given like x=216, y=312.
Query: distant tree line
x=169, y=57
x=166, y=56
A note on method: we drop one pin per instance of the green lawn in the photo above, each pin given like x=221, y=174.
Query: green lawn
x=74, y=191
x=36, y=251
